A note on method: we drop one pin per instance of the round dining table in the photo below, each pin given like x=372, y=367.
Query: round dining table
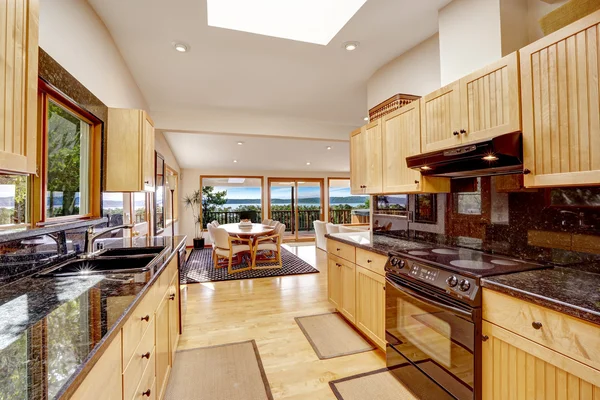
x=248, y=232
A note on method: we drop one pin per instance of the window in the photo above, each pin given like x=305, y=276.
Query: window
x=228, y=199
x=68, y=163
x=391, y=205
x=116, y=207
x=344, y=207
x=140, y=207
x=14, y=191
x=469, y=203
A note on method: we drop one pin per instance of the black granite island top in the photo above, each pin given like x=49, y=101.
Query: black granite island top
x=567, y=290
x=54, y=329
x=384, y=245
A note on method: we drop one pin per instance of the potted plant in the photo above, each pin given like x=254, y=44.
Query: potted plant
x=194, y=201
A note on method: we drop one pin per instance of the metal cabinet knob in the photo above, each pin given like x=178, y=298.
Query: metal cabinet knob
x=485, y=338
x=172, y=297
x=462, y=131
x=146, y=393
x=146, y=318
x=455, y=133
x=147, y=355
x=536, y=325
x=369, y=261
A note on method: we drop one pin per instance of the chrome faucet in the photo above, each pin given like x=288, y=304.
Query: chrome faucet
x=90, y=238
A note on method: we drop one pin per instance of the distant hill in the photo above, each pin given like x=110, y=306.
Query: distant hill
x=307, y=200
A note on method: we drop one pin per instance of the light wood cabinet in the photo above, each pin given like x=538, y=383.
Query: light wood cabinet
x=481, y=105
x=348, y=306
x=19, y=34
x=162, y=346
x=560, y=99
x=370, y=305
x=514, y=367
x=104, y=380
x=401, y=136
x=173, y=317
x=366, y=159
x=129, y=151
x=440, y=118
x=334, y=282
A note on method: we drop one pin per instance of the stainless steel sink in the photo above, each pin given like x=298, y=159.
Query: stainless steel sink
x=103, y=265
x=130, y=252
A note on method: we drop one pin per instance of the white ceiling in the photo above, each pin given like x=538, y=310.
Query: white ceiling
x=216, y=152
x=242, y=83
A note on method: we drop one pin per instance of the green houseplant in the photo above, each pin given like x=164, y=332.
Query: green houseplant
x=194, y=201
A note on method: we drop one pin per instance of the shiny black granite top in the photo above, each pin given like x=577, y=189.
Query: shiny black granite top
x=53, y=329
x=383, y=246
x=567, y=290
x=23, y=233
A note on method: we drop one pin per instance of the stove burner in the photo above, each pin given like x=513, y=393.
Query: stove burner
x=445, y=251
x=471, y=264
x=504, y=262
x=418, y=253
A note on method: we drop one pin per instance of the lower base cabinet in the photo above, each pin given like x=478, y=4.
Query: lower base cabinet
x=162, y=346
x=370, y=305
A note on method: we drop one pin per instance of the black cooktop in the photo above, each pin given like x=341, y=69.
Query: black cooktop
x=467, y=262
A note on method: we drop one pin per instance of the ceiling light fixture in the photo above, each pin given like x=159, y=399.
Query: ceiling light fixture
x=351, y=46
x=240, y=143
x=490, y=157
x=180, y=47
x=307, y=163
x=328, y=147
x=425, y=168
x=234, y=161
x=366, y=118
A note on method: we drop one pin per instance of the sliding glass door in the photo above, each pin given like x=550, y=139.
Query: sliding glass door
x=296, y=203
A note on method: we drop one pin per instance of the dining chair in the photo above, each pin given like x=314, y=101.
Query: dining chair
x=273, y=222
x=215, y=223
x=270, y=244
x=267, y=221
x=228, y=247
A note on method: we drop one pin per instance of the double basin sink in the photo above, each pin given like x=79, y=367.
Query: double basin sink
x=110, y=261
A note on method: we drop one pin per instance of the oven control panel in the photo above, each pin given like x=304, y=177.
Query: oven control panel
x=452, y=283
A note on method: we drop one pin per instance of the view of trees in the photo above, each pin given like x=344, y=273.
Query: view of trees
x=13, y=363
x=14, y=211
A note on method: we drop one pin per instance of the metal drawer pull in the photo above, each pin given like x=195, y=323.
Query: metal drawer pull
x=338, y=249
x=172, y=297
x=147, y=355
x=146, y=393
x=369, y=261
x=146, y=318
x=485, y=338
x=536, y=325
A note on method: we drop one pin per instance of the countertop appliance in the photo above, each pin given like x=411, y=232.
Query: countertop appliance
x=433, y=318
x=499, y=155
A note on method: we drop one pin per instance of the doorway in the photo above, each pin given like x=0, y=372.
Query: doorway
x=297, y=203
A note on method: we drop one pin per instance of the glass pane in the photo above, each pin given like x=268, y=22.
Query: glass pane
x=469, y=202
x=344, y=207
x=283, y=197
x=139, y=207
x=309, y=207
x=13, y=199
x=68, y=143
x=113, y=207
x=231, y=199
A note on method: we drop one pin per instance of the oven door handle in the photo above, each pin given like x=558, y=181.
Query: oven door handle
x=426, y=299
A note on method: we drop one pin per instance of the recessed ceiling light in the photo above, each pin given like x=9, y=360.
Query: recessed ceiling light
x=328, y=147
x=240, y=143
x=234, y=161
x=307, y=163
x=311, y=21
x=425, y=168
x=351, y=46
x=180, y=47
x=489, y=157
x=366, y=118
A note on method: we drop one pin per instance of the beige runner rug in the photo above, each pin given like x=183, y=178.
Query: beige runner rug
x=226, y=372
x=331, y=336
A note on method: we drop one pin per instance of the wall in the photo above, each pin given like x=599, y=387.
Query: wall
x=415, y=72
x=190, y=181
x=72, y=34
x=536, y=10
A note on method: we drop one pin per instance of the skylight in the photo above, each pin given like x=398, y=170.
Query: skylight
x=312, y=21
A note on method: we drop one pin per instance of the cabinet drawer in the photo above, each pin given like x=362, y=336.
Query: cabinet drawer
x=148, y=382
x=138, y=323
x=138, y=363
x=345, y=251
x=372, y=261
x=564, y=334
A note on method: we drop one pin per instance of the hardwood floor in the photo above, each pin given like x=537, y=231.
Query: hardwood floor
x=264, y=310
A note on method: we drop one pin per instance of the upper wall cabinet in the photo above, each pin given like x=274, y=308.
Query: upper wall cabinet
x=365, y=159
x=129, y=151
x=561, y=106
x=401, y=133
x=481, y=105
x=18, y=76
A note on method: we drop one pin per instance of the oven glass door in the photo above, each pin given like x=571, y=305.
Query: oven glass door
x=436, y=336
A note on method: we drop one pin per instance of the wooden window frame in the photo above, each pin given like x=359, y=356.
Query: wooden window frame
x=47, y=92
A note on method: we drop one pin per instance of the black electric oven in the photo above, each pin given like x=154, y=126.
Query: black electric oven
x=434, y=345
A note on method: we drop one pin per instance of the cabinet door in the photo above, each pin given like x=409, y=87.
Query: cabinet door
x=374, y=163
x=348, y=291
x=148, y=154
x=401, y=131
x=123, y=150
x=357, y=162
x=440, y=118
x=334, y=283
x=560, y=97
x=490, y=102
x=18, y=78
x=370, y=305
x=173, y=318
x=516, y=368
x=163, y=351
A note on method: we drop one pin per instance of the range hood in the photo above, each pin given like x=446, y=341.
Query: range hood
x=500, y=155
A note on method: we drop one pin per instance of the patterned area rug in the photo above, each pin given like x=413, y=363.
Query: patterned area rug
x=200, y=268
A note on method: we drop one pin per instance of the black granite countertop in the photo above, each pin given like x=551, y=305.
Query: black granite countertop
x=54, y=329
x=383, y=246
x=568, y=290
